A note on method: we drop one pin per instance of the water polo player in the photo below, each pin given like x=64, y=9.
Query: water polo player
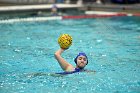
x=81, y=59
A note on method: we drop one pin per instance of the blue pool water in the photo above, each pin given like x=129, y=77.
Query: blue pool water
x=111, y=44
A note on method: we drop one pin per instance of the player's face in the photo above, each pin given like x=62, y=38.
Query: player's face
x=81, y=61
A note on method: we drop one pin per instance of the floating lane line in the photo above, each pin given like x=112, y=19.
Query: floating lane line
x=88, y=14
x=105, y=13
x=30, y=19
x=91, y=16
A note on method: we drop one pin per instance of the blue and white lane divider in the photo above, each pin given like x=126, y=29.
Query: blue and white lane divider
x=30, y=19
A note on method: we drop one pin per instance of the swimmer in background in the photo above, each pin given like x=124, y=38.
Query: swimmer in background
x=54, y=10
x=81, y=61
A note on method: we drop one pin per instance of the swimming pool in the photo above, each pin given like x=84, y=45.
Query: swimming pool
x=111, y=44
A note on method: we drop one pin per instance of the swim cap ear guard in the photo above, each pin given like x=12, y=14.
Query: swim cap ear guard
x=80, y=54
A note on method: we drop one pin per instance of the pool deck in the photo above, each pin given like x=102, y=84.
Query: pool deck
x=132, y=7
x=37, y=7
x=116, y=7
x=125, y=8
x=90, y=11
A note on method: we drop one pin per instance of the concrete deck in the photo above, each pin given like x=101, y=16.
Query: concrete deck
x=36, y=7
x=114, y=6
x=135, y=8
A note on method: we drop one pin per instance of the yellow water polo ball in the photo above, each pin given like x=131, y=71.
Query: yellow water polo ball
x=65, y=41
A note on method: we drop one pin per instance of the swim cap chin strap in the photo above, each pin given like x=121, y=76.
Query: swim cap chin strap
x=80, y=54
